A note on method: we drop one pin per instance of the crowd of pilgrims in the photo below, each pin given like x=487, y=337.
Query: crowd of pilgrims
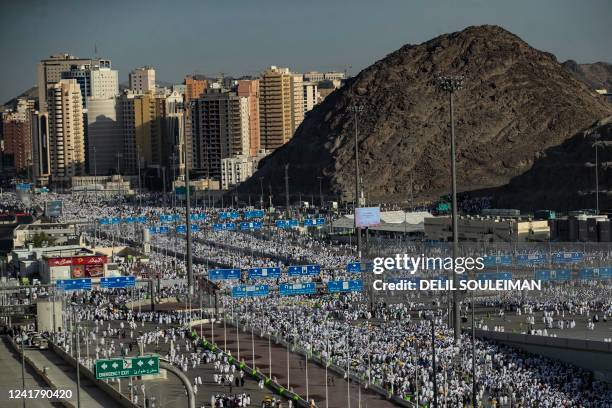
x=389, y=346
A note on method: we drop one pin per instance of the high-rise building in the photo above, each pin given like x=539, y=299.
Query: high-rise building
x=105, y=135
x=66, y=131
x=311, y=96
x=40, y=148
x=194, y=88
x=235, y=170
x=315, y=76
x=142, y=80
x=50, y=72
x=152, y=131
x=281, y=106
x=17, y=138
x=94, y=81
x=216, y=125
x=250, y=89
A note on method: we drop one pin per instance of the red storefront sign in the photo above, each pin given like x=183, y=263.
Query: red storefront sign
x=78, y=260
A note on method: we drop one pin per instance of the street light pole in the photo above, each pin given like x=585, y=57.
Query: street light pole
x=433, y=361
x=187, y=217
x=451, y=85
x=321, y=190
x=596, y=145
x=261, y=196
x=356, y=110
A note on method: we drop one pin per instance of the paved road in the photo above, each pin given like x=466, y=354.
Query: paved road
x=517, y=324
x=170, y=391
x=337, y=391
x=64, y=377
x=10, y=378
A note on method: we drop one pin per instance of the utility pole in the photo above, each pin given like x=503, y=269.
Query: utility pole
x=451, y=85
x=139, y=178
x=261, y=196
x=287, y=187
x=596, y=144
x=356, y=110
x=95, y=166
x=320, y=178
x=118, y=155
x=188, y=216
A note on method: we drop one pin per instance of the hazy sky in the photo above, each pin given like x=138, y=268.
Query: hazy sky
x=244, y=36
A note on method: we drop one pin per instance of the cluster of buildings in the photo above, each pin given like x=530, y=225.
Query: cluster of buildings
x=84, y=128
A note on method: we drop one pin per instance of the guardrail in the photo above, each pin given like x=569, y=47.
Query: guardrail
x=38, y=371
x=312, y=357
x=121, y=399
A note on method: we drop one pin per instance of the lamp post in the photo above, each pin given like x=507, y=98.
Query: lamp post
x=320, y=178
x=356, y=110
x=450, y=85
x=433, y=360
x=261, y=196
x=188, y=215
x=596, y=144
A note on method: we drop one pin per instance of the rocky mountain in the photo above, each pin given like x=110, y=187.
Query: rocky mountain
x=563, y=177
x=516, y=103
x=597, y=75
x=31, y=93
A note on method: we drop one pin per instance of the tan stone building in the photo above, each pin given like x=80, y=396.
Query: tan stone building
x=249, y=89
x=66, y=132
x=281, y=106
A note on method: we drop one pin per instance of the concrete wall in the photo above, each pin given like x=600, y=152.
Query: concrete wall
x=595, y=356
x=44, y=315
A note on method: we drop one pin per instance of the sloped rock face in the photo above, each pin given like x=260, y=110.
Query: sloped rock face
x=516, y=102
x=563, y=177
x=597, y=75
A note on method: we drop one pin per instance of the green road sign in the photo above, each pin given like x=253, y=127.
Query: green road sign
x=127, y=367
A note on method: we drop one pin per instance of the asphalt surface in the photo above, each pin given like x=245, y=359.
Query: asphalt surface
x=337, y=389
x=170, y=391
x=10, y=379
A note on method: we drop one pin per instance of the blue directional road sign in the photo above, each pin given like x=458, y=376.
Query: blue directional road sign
x=162, y=230
x=281, y=224
x=293, y=289
x=353, y=267
x=304, y=270
x=309, y=222
x=553, y=274
x=251, y=225
x=104, y=221
x=118, y=282
x=218, y=227
x=223, y=274
x=294, y=223
x=566, y=257
x=264, y=273
x=23, y=187
x=73, y=284
x=115, y=220
x=181, y=229
x=345, y=286
x=595, y=273
x=497, y=260
x=493, y=276
x=250, y=291
x=253, y=214
x=531, y=259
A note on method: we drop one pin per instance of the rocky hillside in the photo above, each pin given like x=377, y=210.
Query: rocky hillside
x=563, y=177
x=516, y=102
x=597, y=75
